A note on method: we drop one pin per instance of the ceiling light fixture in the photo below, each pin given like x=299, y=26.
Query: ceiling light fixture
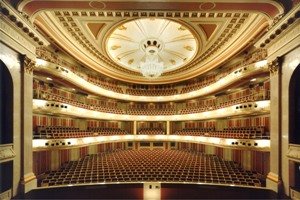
x=151, y=67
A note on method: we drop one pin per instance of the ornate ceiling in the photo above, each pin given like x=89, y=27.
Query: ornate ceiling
x=197, y=36
x=127, y=43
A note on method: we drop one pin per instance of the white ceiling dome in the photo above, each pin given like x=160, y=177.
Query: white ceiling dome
x=175, y=44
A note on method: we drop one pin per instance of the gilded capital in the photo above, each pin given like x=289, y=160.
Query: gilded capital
x=28, y=65
x=275, y=66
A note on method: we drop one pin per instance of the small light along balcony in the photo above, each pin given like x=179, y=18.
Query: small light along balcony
x=44, y=107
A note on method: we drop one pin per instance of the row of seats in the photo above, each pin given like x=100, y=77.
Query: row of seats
x=54, y=97
x=198, y=85
x=165, y=111
x=194, y=131
x=151, y=131
x=150, y=165
x=54, y=132
x=107, y=131
x=261, y=95
x=104, y=84
x=160, y=92
x=257, y=132
x=264, y=95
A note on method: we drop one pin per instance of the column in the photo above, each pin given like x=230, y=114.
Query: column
x=152, y=191
x=273, y=178
x=134, y=127
x=28, y=179
x=168, y=127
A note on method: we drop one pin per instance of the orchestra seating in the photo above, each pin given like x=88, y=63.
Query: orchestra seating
x=152, y=92
x=257, y=132
x=150, y=165
x=151, y=131
x=53, y=132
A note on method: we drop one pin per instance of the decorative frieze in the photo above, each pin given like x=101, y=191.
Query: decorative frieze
x=278, y=27
x=6, y=195
x=21, y=23
x=6, y=153
x=294, y=152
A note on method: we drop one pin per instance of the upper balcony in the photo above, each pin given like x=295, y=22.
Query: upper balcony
x=237, y=76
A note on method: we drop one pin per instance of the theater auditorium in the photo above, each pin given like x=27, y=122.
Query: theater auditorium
x=130, y=99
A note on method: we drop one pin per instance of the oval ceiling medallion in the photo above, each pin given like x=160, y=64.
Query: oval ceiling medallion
x=130, y=43
x=97, y=4
x=207, y=6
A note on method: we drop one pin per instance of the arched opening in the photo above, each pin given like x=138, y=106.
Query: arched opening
x=6, y=105
x=294, y=125
x=6, y=124
x=294, y=107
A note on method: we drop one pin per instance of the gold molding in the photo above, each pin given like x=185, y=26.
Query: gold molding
x=273, y=177
x=28, y=178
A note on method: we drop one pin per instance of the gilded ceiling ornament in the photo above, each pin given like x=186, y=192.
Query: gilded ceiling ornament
x=181, y=28
x=189, y=48
x=122, y=28
x=130, y=61
x=173, y=62
x=115, y=47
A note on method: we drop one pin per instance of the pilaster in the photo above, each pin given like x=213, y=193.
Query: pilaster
x=28, y=179
x=134, y=127
x=168, y=128
x=273, y=178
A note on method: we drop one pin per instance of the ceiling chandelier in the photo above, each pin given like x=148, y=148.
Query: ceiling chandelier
x=151, y=67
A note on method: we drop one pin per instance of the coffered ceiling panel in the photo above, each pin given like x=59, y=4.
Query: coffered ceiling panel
x=108, y=36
